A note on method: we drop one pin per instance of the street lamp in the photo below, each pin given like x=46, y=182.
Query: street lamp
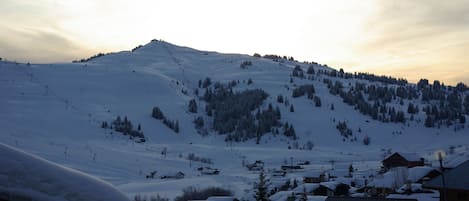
x=440, y=155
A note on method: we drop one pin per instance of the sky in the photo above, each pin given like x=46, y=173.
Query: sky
x=402, y=38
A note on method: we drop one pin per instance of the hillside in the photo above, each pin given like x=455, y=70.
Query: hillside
x=57, y=111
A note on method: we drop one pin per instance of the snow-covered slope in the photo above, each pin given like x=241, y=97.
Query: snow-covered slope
x=26, y=176
x=56, y=111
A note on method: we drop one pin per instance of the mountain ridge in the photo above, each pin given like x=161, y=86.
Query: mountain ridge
x=56, y=111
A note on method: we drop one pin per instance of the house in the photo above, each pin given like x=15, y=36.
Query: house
x=279, y=173
x=332, y=188
x=177, y=175
x=384, y=184
x=324, y=191
x=256, y=166
x=315, y=179
x=291, y=167
x=422, y=174
x=402, y=160
x=304, y=163
x=309, y=188
x=456, y=185
x=365, y=199
x=208, y=171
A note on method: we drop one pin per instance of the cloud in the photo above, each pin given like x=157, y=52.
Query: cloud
x=35, y=45
x=423, y=38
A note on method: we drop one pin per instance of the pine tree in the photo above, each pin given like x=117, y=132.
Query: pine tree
x=193, y=106
x=366, y=140
x=310, y=70
x=176, y=127
x=317, y=101
x=261, y=188
x=429, y=122
x=280, y=98
x=156, y=113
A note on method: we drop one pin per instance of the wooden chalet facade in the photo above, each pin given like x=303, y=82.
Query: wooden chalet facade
x=402, y=160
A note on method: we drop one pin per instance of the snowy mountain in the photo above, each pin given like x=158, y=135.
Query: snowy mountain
x=67, y=113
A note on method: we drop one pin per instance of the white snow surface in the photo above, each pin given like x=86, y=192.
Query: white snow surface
x=55, y=110
x=28, y=176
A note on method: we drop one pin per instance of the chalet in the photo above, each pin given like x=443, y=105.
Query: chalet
x=177, y=175
x=332, y=188
x=324, y=191
x=365, y=199
x=456, y=185
x=291, y=167
x=279, y=173
x=312, y=179
x=208, y=171
x=304, y=163
x=422, y=174
x=402, y=160
x=256, y=166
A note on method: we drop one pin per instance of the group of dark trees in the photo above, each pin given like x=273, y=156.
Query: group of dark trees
x=344, y=130
x=375, y=105
x=158, y=114
x=233, y=116
x=125, y=127
x=365, y=76
x=192, y=106
x=347, y=133
x=193, y=157
x=275, y=58
x=444, y=105
x=91, y=58
x=245, y=64
x=298, y=72
x=205, y=83
x=447, y=105
x=307, y=89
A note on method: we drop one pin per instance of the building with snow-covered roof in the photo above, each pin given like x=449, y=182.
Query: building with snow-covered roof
x=456, y=185
x=399, y=159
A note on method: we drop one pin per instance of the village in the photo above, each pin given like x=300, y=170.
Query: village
x=402, y=176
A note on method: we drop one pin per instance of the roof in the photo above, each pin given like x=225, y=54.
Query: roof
x=365, y=199
x=407, y=156
x=452, y=162
x=391, y=179
x=330, y=184
x=457, y=178
x=417, y=173
x=308, y=187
